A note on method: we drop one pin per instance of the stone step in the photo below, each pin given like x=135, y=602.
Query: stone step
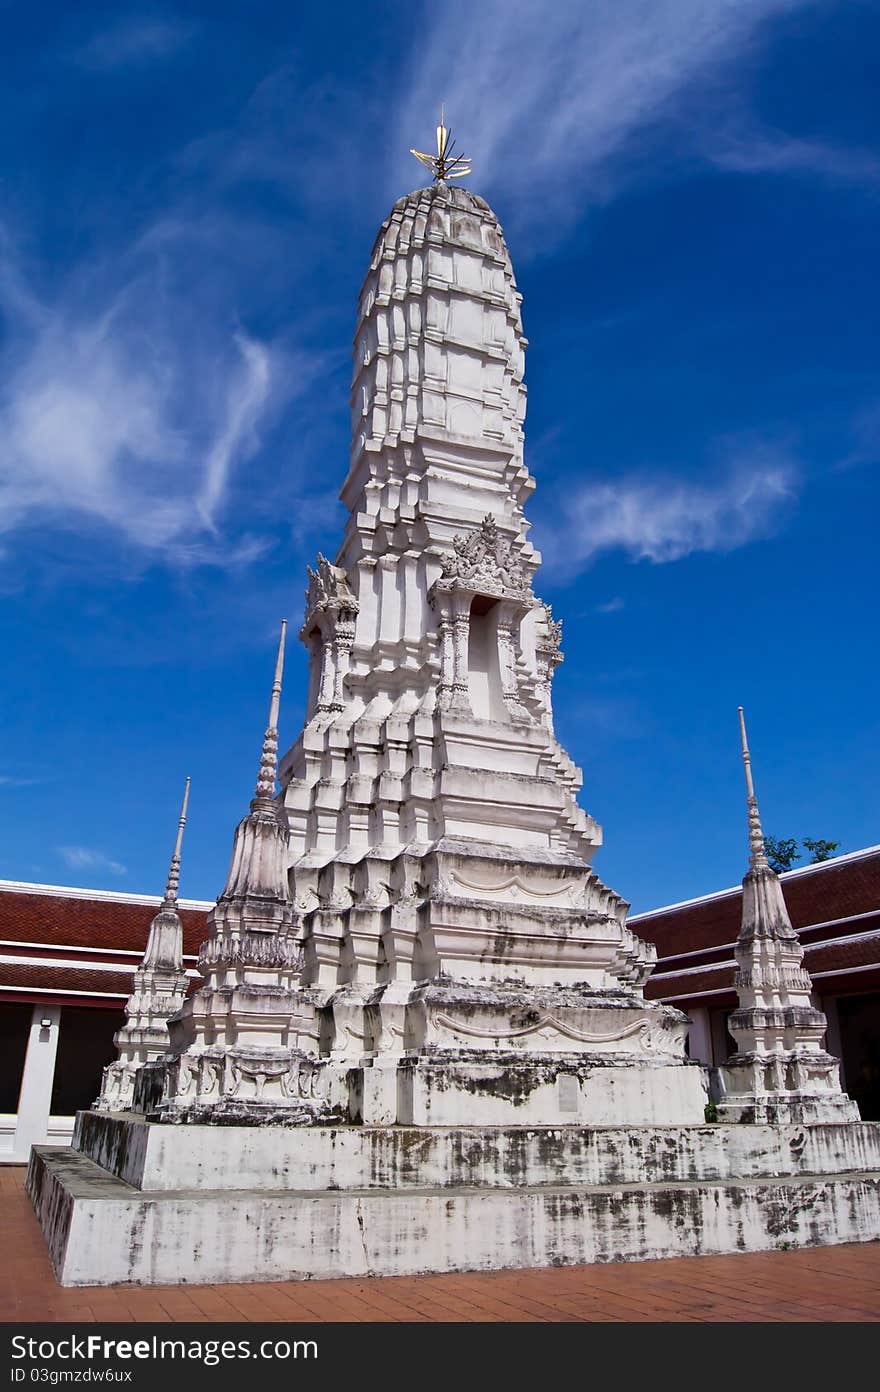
x=101, y=1231
x=153, y=1157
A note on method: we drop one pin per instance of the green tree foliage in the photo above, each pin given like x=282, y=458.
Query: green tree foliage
x=782, y=854
x=820, y=850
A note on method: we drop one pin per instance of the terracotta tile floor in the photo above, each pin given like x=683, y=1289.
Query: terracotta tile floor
x=819, y=1283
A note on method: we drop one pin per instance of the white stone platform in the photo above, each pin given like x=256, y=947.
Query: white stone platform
x=203, y=1204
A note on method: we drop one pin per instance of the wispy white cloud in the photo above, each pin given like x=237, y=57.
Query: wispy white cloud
x=551, y=97
x=611, y=606
x=82, y=858
x=134, y=39
x=320, y=140
x=238, y=436
x=662, y=520
x=10, y=781
x=116, y=411
x=749, y=149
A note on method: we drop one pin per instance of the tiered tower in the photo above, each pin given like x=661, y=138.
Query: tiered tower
x=780, y=1072
x=455, y=939
x=446, y=954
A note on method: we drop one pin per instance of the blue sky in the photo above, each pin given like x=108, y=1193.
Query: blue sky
x=691, y=194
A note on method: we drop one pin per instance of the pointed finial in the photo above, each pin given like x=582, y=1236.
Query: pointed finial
x=174, y=869
x=758, y=855
x=445, y=164
x=265, y=789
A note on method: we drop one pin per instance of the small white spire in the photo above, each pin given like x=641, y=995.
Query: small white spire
x=265, y=789
x=174, y=869
x=758, y=854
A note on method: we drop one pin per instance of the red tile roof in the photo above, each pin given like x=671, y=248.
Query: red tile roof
x=74, y=981
x=41, y=914
x=56, y=941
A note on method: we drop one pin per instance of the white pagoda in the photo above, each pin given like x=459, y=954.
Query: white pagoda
x=422, y=1042
x=781, y=1071
x=459, y=961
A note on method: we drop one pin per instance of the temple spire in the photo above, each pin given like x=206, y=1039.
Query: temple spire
x=265, y=789
x=780, y=1072
x=170, y=899
x=758, y=854
x=237, y=1030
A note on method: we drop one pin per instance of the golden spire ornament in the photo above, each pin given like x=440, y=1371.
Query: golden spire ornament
x=445, y=164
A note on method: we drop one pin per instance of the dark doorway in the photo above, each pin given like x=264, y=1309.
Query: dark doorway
x=15, y=1025
x=85, y=1047
x=859, y=1018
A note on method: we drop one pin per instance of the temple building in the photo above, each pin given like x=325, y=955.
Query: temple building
x=422, y=1038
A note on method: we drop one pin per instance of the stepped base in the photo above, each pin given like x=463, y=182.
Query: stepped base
x=152, y=1157
x=101, y=1232
x=208, y=1204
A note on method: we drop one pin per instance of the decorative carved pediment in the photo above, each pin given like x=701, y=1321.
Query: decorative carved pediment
x=328, y=590
x=327, y=593
x=549, y=636
x=485, y=562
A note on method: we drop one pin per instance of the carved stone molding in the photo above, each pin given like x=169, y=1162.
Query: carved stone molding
x=241, y=1077
x=328, y=630
x=484, y=562
x=544, y=1022
x=513, y=884
x=251, y=950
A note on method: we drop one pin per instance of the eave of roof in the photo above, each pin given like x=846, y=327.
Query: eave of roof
x=105, y=895
x=787, y=875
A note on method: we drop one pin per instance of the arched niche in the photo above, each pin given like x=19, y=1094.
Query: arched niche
x=484, y=671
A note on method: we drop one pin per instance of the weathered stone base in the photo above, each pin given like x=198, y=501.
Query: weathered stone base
x=154, y=1157
x=789, y=1087
x=152, y=1204
x=794, y=1110
x=461, y=1088
x=100, y=1231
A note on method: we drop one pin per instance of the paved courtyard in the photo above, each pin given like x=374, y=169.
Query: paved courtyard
x=819, y=1283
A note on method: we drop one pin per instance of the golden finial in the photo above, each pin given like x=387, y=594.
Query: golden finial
x=445, y=164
